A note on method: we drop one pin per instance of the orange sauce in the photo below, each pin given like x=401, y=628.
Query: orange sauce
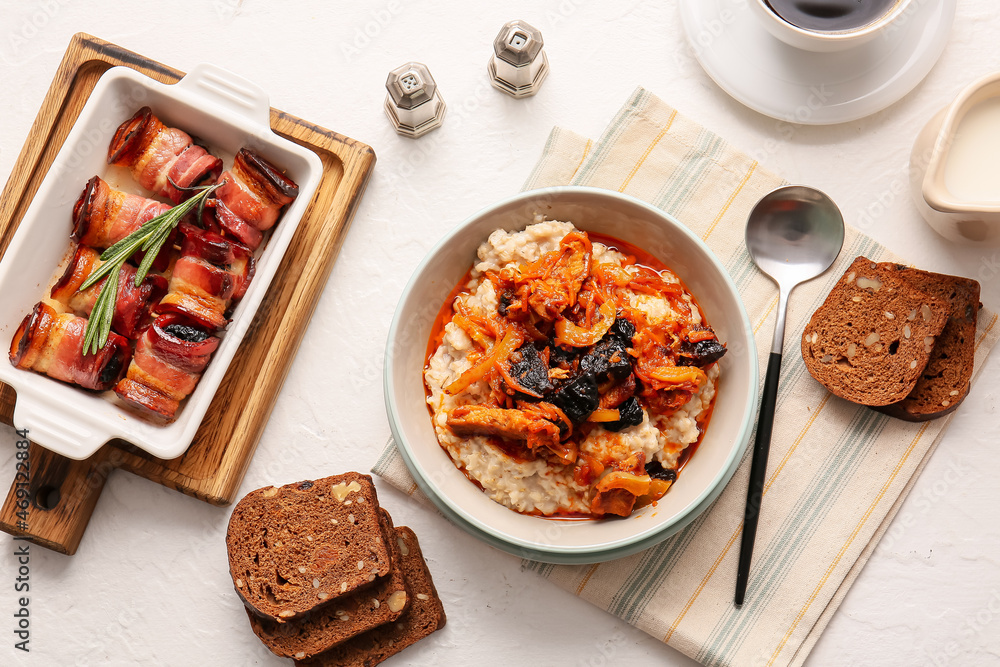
x=444, y=315
x=624, y=247
x=514, y=451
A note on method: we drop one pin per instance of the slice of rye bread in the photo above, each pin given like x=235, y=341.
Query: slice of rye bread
x=351, y=615
x=282, y=541
x=425, y=615
x=871, y=339
x=944, y=384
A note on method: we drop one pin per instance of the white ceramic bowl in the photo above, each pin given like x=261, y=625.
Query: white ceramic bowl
x=571, y=541
x=226, y=112
x=827, y=41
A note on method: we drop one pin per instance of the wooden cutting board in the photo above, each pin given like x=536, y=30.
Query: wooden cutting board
x=53, y=508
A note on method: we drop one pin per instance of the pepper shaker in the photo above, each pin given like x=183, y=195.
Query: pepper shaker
x=413, y=104
x=519, y=64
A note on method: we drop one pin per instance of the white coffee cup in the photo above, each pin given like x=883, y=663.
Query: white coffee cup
x=825, y=41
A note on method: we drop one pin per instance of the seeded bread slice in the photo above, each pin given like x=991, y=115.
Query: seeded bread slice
x=349, y=616
x=281, y=541
x=944, y=383
x=425, y=615
x=872, y=337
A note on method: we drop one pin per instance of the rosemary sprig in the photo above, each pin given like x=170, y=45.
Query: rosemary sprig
x=149, y=238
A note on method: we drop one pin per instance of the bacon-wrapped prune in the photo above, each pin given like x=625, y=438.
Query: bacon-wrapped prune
x=162, y=159
x=51, y=343
x=169, y=359
x=251, y=197
x=132, y=303
x=211, y=273
x=102, y=216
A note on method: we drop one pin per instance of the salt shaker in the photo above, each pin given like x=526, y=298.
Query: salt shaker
x=414, y=105
x=519, y=63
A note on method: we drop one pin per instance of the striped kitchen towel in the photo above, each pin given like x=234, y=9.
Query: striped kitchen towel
x=837, y=473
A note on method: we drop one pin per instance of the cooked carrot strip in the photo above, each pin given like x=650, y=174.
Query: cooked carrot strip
x=511, y=341
x=474, y=331
x=611, y=274
x=700, y=335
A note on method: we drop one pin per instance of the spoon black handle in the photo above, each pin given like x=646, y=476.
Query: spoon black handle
x=758, y=472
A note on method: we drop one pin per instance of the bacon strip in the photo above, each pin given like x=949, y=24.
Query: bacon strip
x=162, y=159
x=210, y=275
x=102, y=216
x=169, y=359
x=251, y=197
x=52, y=344
x=132, y=302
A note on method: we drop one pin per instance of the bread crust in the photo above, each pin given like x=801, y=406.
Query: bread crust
x=898, y=410
x=945, y=381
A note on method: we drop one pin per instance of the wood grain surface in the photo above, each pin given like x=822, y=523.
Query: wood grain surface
x=64, y=492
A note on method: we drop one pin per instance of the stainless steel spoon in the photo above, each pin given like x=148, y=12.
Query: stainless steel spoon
x=793, y=234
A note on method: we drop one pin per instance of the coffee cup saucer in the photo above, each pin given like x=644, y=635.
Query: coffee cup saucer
x=798, y=86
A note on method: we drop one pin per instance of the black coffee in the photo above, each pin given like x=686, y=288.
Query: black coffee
x=830, y=15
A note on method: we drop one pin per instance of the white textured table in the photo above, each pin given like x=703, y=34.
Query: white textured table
x=150, y=584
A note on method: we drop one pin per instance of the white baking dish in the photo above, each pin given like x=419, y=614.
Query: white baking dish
x=225, y=112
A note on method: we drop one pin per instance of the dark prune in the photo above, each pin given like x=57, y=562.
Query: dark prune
x=506, y=298
x=630, y=414
x=186, y=333
x=560, y=357
x=305, y=486
x=112, y=371
x=529, y=371
x=701, y=353
x=577, y=398
x=624, y=330
x=656, y=470
x=609, y=358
